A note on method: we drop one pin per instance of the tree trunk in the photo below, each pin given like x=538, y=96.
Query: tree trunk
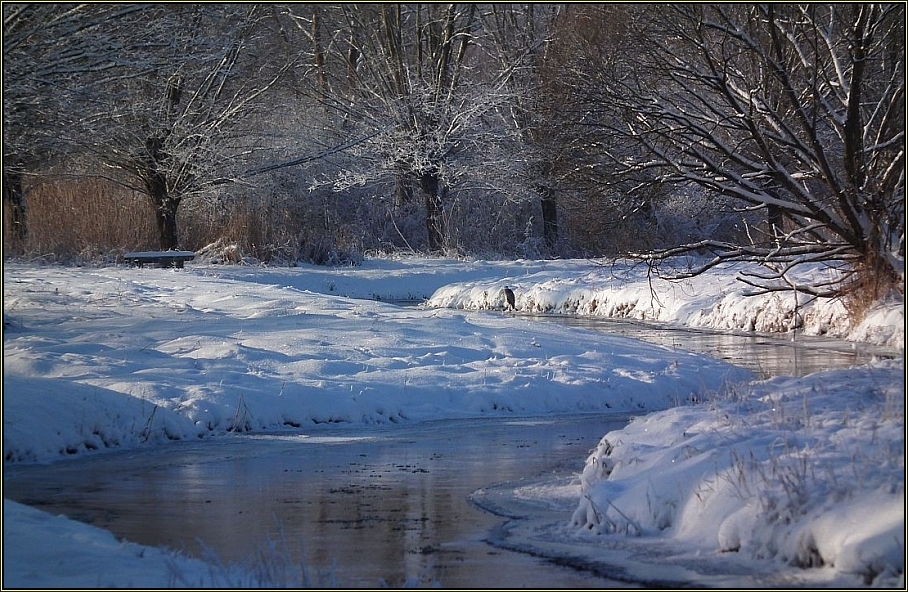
x=319, y=53
x=165, y=204
x=165, y=214
x=167, y=224
x=428, y=183
x=549, y=217
x=14, y=198
x=547, y=201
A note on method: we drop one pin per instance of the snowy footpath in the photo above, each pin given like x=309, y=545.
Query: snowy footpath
x=726, y=480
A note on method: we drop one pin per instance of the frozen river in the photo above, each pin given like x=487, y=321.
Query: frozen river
x=375, y=506
x=766, y=355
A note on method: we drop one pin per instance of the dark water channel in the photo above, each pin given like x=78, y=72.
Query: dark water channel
x=373, y=506
x=359, y=507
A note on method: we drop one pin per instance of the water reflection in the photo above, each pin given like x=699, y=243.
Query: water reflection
x=383, y=508
x=765, y=354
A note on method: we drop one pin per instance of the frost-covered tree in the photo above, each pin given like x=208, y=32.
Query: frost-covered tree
x=157, y=95
x=519, y=39
x=174, y=121
x=407, y=80
x=415, y=110
x=795, y=110
x=46, y=48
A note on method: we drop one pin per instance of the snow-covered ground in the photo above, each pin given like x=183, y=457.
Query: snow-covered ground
x=803, y=471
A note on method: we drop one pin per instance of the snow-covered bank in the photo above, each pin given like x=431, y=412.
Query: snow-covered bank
x=44, y=551
x=122, y=357
x=713, y=300
x=808, y=472
x=98, y=358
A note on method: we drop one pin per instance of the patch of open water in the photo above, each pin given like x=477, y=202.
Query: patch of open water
x=359, y=507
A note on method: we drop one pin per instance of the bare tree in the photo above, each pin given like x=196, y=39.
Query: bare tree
x=521, y=36
x=405, y=80
x=795, y=110
x=45, y=48
x=570, y=117
x=594, y=45
x=156, y=94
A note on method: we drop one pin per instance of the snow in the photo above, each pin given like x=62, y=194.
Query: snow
x=44, y=551
x=712, y=300
x=822, y=455
x=790, y=471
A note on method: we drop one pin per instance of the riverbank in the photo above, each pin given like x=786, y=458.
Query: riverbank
x=108, y=358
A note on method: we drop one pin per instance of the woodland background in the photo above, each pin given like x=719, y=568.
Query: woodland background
x=325, y=132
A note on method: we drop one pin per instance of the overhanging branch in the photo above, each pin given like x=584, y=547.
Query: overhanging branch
x=779, y=260
x=310, y=158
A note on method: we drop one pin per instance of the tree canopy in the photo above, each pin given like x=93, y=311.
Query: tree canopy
x=763, y=132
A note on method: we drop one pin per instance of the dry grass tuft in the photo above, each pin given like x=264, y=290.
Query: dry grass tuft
x=871, y=283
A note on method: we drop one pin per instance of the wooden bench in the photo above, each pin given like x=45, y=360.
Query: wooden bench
x=161, y=258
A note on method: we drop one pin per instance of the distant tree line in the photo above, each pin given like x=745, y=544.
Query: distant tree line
x=771, y=133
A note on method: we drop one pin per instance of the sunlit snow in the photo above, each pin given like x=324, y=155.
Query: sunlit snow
x=803, y=474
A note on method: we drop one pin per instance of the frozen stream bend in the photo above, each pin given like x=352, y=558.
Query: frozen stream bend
x=185, y=328
x=397, y=504
x=358, y=507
